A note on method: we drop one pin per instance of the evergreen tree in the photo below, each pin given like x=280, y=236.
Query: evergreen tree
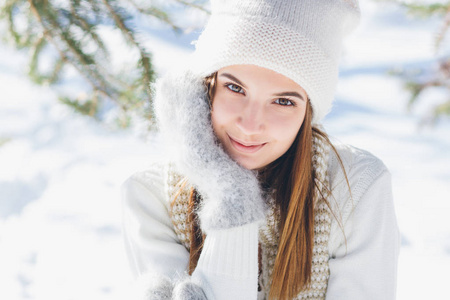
x=440, y=76
x=66, y=35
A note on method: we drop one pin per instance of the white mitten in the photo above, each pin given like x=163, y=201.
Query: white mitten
x=231, y=193
x=188, y=290
x=153, y=287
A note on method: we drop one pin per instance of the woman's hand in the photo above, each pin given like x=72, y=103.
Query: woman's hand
x=231, y=194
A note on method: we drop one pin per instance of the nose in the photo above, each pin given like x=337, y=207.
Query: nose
x=251, y=119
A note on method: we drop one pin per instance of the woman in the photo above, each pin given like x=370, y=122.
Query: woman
x=258, y=203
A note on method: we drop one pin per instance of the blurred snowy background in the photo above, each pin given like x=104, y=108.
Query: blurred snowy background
x=60, y=173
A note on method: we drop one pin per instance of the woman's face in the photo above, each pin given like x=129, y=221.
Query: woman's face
x=256, y=113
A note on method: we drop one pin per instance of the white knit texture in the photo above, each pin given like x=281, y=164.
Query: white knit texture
x=228, y=256
x=237, y=264
x=362, y=266
x=299, y=39
x=269, y=233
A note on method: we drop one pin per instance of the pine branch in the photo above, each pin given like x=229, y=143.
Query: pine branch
x=87, y=62
x=442, y=109
x=415, y=89
x=88, y=107
x=120, y=23
x=86, y=72
x=54, y=27
x=441, y=77
x=9, y=11
x=444, y=29
x=95, y=7
x=145, y=59
x=33, y=69
x=86, y=26
x=157, y=13
x=193, y=5
x=4, y=140
x=108, y=79
x=421, y=9
x=425, y=10
x=71, y=29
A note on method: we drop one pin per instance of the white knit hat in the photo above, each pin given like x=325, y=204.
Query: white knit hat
x=300, y=39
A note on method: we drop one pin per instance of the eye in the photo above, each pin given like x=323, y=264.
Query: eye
x=234, y=88
x=284, y=102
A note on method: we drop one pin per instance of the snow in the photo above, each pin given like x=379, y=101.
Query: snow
x=60, y=173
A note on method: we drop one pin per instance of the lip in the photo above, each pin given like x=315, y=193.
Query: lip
x=244, y=146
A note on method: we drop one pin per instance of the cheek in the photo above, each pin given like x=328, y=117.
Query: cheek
x=224, y=111
x=285, y=128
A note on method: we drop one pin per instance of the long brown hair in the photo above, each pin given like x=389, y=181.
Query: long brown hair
x=292, y=177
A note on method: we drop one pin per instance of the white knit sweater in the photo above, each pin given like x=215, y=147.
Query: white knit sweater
x=363, y=264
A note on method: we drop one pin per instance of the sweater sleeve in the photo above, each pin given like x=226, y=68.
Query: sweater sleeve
x=228, y=265
x=151, y=243
x=364, y=264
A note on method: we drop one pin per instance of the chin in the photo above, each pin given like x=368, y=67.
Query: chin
x=250, y=165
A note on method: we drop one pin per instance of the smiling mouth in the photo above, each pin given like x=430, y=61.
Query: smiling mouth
x=246, y=147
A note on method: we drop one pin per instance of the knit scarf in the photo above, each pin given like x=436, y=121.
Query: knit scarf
x=269, y=233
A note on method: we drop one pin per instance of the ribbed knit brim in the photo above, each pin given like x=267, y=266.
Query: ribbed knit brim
x=298, y=39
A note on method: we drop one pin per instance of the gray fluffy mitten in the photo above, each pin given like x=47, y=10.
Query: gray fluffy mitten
x=231, y=193
x=188, y=290
x=154, y=287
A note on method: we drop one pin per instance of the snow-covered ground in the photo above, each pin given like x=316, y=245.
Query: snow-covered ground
x=60, y=173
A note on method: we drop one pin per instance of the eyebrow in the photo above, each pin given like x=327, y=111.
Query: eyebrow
x=229, y=76
x=292, y=94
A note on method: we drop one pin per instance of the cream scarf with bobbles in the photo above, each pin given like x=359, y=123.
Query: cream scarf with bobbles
x=268, y=234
